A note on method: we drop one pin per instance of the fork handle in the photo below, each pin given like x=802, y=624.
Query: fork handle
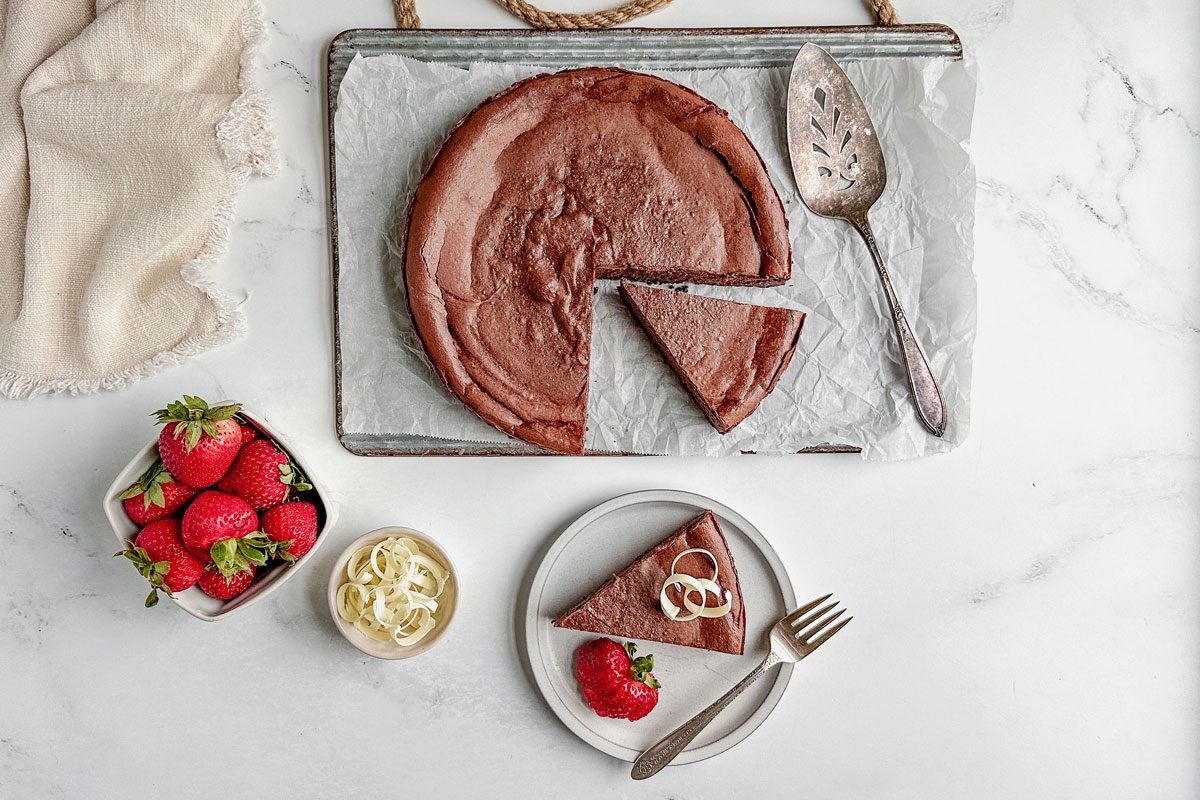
x=927, y=395
x=671, y=745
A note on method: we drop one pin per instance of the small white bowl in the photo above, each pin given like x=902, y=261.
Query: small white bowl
x=194, y=601
x=447, y=603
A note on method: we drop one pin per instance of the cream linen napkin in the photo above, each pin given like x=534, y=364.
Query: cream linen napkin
x=127, y=128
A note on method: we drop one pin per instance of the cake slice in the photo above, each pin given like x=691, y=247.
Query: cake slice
x=627, y=604
x=729, y=355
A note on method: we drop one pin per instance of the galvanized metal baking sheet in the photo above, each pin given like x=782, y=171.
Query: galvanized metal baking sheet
x=395, y=94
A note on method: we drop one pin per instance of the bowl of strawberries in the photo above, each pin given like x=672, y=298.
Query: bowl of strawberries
x=218, y=511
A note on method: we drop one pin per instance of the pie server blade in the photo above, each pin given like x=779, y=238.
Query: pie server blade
x=840, y=172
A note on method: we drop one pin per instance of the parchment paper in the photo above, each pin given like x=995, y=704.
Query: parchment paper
x=845, y=385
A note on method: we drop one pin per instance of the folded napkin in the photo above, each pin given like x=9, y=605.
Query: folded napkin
x=127, y=129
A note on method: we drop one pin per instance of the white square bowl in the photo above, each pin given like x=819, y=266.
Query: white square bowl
x=194, y=601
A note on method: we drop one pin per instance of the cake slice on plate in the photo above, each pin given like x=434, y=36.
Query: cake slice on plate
x=627, y=604
x=728, y=355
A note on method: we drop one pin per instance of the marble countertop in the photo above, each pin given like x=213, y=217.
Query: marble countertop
x=1026, y=607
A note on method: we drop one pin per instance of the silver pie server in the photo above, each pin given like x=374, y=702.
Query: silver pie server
x=840, y=172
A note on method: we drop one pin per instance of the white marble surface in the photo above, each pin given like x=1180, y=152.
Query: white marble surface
x=1026, y=607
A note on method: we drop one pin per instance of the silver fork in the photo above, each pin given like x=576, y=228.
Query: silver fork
x=792, y=638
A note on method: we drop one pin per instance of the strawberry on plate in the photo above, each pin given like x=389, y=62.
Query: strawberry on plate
x=155, y=495
x=293, y=526
x=198, y=443
x=218, y=586
x=159, y=555
x=263, y=475
x=226, y=527
x=613, y=682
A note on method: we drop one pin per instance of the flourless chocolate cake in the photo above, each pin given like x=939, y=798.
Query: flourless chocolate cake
x=556, y=181
x=627, y=604
x=729, y=355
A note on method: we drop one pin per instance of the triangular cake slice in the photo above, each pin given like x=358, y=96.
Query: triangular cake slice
x=627, y=604
x=729, y=355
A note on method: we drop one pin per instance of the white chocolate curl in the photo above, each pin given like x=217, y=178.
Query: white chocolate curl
x=689, y=584
x=391, y=591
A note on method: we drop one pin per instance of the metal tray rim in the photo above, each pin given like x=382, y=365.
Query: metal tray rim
x=357, y=444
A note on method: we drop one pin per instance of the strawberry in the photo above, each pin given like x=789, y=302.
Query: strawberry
x=263, y=475
x=155, y=495
x=198, y=443
x=214, y=584
x=160, y=557
x=249, y=434
x=601, y=662
x=203, y=556
x=293, y=526
x=226, y=527
x=614, y=683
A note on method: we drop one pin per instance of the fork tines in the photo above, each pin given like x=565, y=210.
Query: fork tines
x=807, y=626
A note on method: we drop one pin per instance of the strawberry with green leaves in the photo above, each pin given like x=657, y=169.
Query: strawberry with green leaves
x=198, y=443
x=226, y=528
x=155, y=495
x=293, y=526
x=218, y=586
x=160, y=557
x=614, y=683
x=263, y=475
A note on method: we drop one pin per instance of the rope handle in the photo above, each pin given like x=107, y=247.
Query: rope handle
x=406, y=14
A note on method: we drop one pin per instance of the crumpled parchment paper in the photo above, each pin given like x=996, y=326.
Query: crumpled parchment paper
x=845, y=385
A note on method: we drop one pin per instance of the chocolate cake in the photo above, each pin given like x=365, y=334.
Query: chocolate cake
x=627, y=604
x=550, y=184
x=729, y=355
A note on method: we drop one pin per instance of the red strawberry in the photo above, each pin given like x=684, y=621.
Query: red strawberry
x=214, y=584
x=203, y=556
x=263, y=475
x=633, y=700
x=155, y=496
x=602, y=704
x=293, y=526
x=198, y=443
x=249, y=433
x=615, y=684
x=226, y=528
x=160, y=557
x=601, y=663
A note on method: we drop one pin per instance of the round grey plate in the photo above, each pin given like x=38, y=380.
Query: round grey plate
x=602, y=542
